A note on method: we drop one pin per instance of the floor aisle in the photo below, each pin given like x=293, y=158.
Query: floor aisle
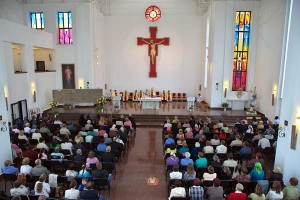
x=143, y=160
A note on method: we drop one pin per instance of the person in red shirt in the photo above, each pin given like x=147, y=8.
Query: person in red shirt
x=31, y=154
x=238, y=194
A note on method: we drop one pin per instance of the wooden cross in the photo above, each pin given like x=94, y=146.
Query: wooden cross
x=152, y=43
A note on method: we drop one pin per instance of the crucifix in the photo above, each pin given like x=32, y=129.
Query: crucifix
x=152, y=43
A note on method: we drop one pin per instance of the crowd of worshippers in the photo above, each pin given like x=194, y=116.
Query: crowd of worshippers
x=89, y=149
x=210, y=160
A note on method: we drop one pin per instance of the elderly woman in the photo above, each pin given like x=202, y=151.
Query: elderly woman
x=187, y=160
x=172, y=159
x=41, y=187
x=22, y=136
x=238, y=194
x=26, y=168
x=257, y=172
x=178, y=191
x=276, y=174
x=189, y=133
x=92, y=159
x=292, y=191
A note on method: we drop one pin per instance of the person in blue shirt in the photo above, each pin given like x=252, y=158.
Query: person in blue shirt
x=201, y=162
x=9, y=169
x=170, y=140
x=185, y=161
x=257, y=173
x=101, y=147
x=245, y=149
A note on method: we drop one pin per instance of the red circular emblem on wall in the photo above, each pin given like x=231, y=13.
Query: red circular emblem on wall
x=152, y=13
x=152, y=181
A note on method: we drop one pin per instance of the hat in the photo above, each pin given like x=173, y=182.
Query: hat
x=197, y=144
x=277, y=170
x=187, y=154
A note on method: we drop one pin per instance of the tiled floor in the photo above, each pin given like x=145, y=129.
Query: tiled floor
x=143, y=160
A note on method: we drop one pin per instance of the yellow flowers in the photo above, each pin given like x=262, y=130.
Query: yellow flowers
x=53, y=104
x=101, y=102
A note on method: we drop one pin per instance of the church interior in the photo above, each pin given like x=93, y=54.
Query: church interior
x=152, y=61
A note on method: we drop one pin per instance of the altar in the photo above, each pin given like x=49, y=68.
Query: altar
x=237, y=104
x=149, y=103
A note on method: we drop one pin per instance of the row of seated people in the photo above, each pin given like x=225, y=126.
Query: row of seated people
x=231, y=190
x=56, y=186
x=138, y=95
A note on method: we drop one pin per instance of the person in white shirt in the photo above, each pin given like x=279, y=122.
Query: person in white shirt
x=230, y=162
x=215, y=140
x=221, y=148
x=178, y=191
x=72, y=193
x=89, y=138
x=176, y=174
x=56, y=155
x=275, y=192
x=211, y=175
x=36, y=135
x=277, y=121
x=21, y=136
x=208, y=148
x=71, y=171
x=263, y=142
x=15, y=129
x=64, y=130
x=88, y=125
x=67, y=145
x=26, y=168
x=41, y=187
x=42, y=145
x=168, y=124
x=57, y=121
x=27, y=128
x=220, y=124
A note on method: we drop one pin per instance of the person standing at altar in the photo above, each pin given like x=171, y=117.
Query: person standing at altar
x=141, y=95
x=135, y=96
x=164, y=96
x=125, y=96
x=115, y=93
x=169, y=96
x=199, y=98
x=152, y=93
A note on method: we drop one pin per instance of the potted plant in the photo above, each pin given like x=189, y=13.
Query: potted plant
x=225, y=105
x=100, y=104
x=68, y=106
x=191, y=108
x=54, y=107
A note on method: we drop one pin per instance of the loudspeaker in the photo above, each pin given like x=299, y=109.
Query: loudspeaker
x=200, y=87
x=105, y=86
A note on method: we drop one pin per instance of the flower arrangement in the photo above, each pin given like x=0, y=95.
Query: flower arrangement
x=101, y=102
x=53, y=104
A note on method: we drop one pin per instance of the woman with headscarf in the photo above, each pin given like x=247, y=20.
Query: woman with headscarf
x=257, y=172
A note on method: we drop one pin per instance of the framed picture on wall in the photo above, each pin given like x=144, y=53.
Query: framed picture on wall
x=68, y=76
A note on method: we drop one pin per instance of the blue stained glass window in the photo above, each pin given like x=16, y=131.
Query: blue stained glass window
x=65, y=28
x=37, y=20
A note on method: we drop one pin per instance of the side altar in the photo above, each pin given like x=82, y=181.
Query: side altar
x=149, y=103
x=80, y=97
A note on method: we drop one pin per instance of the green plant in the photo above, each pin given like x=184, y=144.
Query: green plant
x=53, y=104
x=68, y=106
x=225, y=105
x=191, y=107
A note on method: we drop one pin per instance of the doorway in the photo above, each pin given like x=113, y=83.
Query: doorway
x=19, y=111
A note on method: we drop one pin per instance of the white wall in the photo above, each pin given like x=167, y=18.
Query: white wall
x=222, y=46
x=287, y=158
x=178, y=65
x=269, y=49
x=12, y=10
x=19, y=86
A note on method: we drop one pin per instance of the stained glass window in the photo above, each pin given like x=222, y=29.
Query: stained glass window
x=37, y=20
x=241, y=50
x=153, y=13
x=65, y=34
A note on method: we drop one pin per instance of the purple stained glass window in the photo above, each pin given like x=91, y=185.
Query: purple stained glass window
x=65, y=28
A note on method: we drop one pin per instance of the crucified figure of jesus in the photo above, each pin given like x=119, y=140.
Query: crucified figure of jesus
x=153, y=50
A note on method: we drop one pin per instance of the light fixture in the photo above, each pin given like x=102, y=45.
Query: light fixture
x=225, y=84
x=217, y=86
x=6, y=97
x=274, y=94
x=81, y=84
x=33, y=91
